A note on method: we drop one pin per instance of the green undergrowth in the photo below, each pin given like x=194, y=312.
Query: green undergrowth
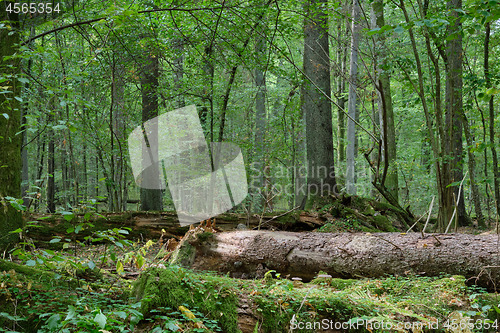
x=361, y=305
x=174, y=299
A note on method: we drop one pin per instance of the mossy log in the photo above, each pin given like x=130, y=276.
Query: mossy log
x=247, y=254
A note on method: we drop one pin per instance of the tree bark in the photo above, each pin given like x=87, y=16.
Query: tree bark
x=151, y=199
x=118, y=134
x=10, y=121
x=471, y=164
x=388, y=133
x=342, y=65
x=258, y=188
x=348, y=255
x=51, y=203
x=491, y=108
x=351, y=104
x=316, y=105
x=452, y=166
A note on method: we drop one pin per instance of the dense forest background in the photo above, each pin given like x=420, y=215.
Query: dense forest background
x=398, y=96
x=356, y=119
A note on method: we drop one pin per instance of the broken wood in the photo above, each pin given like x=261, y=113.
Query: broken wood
x=248, y=254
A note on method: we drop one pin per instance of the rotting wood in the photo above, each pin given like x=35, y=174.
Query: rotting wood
x=349, y=255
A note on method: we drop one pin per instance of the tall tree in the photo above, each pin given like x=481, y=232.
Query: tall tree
x=386, y=114
x=453, y=146
x=118, y=199
x=260, y=113
x=351, y=104
x=342, y=65
x=316, y=105
x=151, y=198
x=10, y=121
x=491, y=113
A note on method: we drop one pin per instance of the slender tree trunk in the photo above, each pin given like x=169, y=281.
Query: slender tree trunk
x=51, y=204
x=351, y=126
x=476, y=198
x=25, y=178
x=68, y=160
x=118, y=134
x=342, y=63
x=316, y=101
x=491, y=107
x=10, y=121
x=260, y=120
x=388, y=132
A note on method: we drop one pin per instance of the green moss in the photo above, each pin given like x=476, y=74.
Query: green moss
x=174, y=286
x=383, y=223
x=183, y=255
x=205, y=236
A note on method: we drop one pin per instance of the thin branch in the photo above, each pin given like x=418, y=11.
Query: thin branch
x=458, y=199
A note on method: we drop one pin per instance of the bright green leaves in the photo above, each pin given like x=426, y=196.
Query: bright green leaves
x=380, y=30
x=488, y=93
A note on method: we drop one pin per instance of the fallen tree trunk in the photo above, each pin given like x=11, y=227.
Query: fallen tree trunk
x=248, y=254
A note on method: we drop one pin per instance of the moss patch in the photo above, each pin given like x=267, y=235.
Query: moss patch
x=276, y=301
x=214, y=296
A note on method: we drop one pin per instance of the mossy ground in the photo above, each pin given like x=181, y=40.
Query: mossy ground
x=32, y=296
x=392, y=301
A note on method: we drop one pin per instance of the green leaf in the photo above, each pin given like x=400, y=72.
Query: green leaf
x=18, y=98
x=119, y=267
x=139, y=261
x=91, y=264
x=373, y=31
x=100, y=319
x=454, y=184
x=399, y=29
x=55, y=240
x=31, y=263
x=16, y=231
x=6, y=116
x=68, y=216
x=53, y=321
x=71, y=313
x=121, y=314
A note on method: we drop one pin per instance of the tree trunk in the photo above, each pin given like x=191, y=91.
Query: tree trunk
x=351, y=104
x=471, y=163
x=342, y=65
x=51, y=203
x=118, y=135
x=151, y=198
x=258, y=188
x=453, y=168
x=388, y=133
x=494, y=157
x=10, y=121
x=316, y=105
x=346, y=255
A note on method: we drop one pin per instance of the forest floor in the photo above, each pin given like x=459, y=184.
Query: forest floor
x=93, y=273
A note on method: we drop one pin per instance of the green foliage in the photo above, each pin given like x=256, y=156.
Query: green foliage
x=173, y=286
